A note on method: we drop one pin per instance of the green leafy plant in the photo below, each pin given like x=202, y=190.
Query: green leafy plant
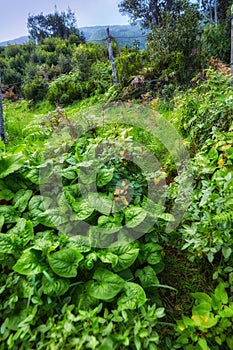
x=210, y=324
x=50, y=280
x=206, y=108
x=209, y=231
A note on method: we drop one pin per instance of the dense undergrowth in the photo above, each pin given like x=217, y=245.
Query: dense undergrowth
x=86, y=259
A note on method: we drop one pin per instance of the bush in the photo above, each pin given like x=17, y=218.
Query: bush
x=35, y=90
x=67, y=89
x=128, y=64
x=215, y=42
x=205, y=108
x=101, y=75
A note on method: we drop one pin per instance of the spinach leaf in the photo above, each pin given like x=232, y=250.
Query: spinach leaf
x=65, y=262
x=108, y=284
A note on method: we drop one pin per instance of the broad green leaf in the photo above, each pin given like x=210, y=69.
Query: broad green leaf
x=82, y=298
x=104, y=176
x=70, y=159
x=226, y=251
x=82, y=243
x=108, y=257
x=34, y=175
x=72, y=191
x=201, y=297
x=69, y=173
x=133, y=297
x=38, y=205
x=65, y=262
x=52, y=218
x=202, y=309
x=9, y=213
x=6, y=194
x=147, y=277
x=82, y=209
x=17, y=237
x=203, y=344
x=108, y=284
x=186, y=321
x=210, y=256
x=87, y=173
x=134, y=216
x=160, y=312
x=21, y=199
x=127, y=254
x=109, y=224
x=54, y=286
x=10, y=164
x=226, y=311
x=167, y=217
x=151, y=253
x=100, y=202
x=213, y=154
x=22, y=231
x=29, y=263
x=6, y=244
x=229, y=341
x=220, y=293
x=204, y=321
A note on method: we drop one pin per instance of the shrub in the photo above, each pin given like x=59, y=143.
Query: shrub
x=128, y=64
x=205, y=108
x=35, y=90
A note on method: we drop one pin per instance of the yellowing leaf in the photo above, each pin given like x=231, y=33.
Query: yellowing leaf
x=154, y=103
x=221, y=162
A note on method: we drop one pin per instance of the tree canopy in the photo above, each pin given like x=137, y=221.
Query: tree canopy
x=150, y=13
x=57, y=24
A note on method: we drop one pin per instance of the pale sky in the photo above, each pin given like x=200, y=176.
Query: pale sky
x=14, y=14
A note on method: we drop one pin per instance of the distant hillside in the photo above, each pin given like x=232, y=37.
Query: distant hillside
x=18, y=41
x=125, y=35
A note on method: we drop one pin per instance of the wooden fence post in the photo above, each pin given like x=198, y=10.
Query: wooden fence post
x=231, y=45
x=111, y=58
x=2, y=132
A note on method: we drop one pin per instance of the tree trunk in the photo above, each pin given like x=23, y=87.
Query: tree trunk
x=216, y=12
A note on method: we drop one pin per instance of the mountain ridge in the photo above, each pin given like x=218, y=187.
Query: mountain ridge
x=125, y=35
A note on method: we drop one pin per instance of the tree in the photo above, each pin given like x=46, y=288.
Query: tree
x=216, y=37
x=56, y=25
x=216, y=11
x=174, y=26
x=148, y=12
x=172, y=45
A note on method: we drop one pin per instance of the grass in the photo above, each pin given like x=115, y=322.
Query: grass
x=186, y=277
x=20, y=114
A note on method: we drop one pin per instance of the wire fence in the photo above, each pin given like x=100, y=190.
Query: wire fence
x=16, y=83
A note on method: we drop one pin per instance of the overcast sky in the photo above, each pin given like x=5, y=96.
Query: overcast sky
x=14, y=14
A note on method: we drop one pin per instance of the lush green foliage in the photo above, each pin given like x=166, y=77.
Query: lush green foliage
x=54, y=277
x=58, y=25
x=210, y=326
x=214, y=43
x=206, y=108
x=86, y=259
